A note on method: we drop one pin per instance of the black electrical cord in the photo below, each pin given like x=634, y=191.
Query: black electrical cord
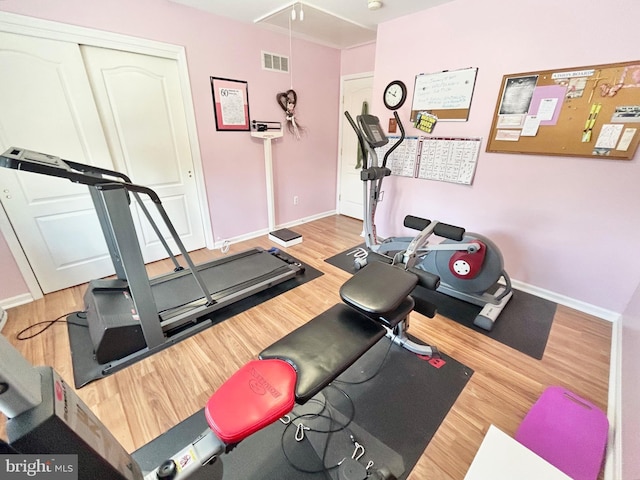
x=47, y=324
x=329, y=432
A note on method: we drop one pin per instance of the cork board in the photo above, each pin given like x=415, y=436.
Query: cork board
x=583, y=112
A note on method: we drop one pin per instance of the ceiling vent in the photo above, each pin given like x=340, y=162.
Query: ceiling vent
x=276, y=63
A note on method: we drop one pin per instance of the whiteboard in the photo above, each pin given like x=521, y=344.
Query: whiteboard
x=445, y=94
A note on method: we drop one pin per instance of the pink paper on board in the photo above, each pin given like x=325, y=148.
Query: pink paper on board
x=548, y=91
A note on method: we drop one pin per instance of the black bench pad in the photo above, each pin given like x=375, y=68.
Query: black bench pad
x=324, y=347
x=391, y=319
x=378, y=288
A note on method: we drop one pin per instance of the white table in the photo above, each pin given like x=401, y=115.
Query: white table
x=501, y=457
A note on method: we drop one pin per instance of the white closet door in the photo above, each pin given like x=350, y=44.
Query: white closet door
x=139, y=100
x=48, y=106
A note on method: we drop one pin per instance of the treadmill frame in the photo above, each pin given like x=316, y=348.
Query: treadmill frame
x=110, y=192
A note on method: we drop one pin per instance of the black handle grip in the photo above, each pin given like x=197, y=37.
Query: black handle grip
x=426, y=279
x=449, y=231
x=397, y=144
x=361, y=140
x=416, y=223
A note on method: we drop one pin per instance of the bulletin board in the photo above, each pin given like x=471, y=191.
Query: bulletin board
x=446, y=94
x=581, y=112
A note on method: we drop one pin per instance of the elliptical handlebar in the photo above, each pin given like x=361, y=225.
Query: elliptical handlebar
x=397, y=144
x=361, y=140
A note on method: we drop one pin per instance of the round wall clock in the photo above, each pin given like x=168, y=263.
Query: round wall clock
x=395, y=95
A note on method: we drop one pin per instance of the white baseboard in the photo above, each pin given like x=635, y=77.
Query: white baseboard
x=259, y=233
x=3, y=318
x=613, y=465
x=581, y=306
x=8, y=303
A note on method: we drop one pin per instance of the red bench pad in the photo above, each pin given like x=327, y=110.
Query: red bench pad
x=255, y=396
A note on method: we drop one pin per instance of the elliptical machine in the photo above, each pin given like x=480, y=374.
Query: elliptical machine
x=470, y=265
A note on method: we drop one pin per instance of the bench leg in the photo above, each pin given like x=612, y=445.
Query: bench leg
x=398, y=335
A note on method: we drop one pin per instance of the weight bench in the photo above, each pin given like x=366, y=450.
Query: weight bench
x=301, y=364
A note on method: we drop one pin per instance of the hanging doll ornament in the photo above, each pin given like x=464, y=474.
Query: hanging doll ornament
x=287, y=101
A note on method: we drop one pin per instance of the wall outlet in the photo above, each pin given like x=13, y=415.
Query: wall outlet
x=296, y=200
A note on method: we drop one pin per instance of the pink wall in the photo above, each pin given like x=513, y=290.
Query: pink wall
x=630, y=389
x=567, y=225
x=358, y=59
x=11, y=282
x=564, y=224
x=233, y=161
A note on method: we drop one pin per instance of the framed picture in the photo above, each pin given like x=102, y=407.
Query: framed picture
x=230, y=104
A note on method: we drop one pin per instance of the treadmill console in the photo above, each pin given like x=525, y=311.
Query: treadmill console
x=21, y=159
x=373, y=133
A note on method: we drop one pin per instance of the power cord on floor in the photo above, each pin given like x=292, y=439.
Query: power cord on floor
x=47, y=324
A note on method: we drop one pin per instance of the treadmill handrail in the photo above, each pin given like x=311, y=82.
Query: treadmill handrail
x=14, y=158
x=167, y=222
x=84, y=174
x=90, y=169
x=130, y=187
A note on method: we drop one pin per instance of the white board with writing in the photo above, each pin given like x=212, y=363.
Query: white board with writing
x=448, y=90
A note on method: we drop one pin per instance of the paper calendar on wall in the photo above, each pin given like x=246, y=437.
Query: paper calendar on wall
x=443, y=159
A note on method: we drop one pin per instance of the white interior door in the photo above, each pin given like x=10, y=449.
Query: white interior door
x=355, y=91
x=47, y=106
x=140, y=104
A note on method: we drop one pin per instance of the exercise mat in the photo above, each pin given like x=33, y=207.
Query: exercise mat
x=85, y=367
x=523, y=325
x=393, y=416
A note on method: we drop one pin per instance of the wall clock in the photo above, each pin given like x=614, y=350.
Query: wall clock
x=395, y=95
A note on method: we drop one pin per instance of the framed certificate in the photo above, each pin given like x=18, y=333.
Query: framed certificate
x=230, y=104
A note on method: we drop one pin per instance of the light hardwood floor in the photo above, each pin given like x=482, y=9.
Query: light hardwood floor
x=142, y=401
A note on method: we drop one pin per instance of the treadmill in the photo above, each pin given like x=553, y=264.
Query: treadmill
x=134, y=316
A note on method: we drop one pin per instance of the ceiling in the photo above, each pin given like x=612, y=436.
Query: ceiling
x=335, y=23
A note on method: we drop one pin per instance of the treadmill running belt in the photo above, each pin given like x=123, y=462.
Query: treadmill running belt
x=177, y=291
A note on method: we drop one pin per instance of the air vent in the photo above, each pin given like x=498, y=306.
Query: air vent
x=277, y=63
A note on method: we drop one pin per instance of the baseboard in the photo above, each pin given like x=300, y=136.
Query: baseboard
x=249, y=236
x=308, y=219
x=578, y=305
x=8, y=303
x=3, y=318
x=613, y=465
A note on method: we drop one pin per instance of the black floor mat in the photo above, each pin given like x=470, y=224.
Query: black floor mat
x=523, y=325
x=86, y=369
x=397, y=413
